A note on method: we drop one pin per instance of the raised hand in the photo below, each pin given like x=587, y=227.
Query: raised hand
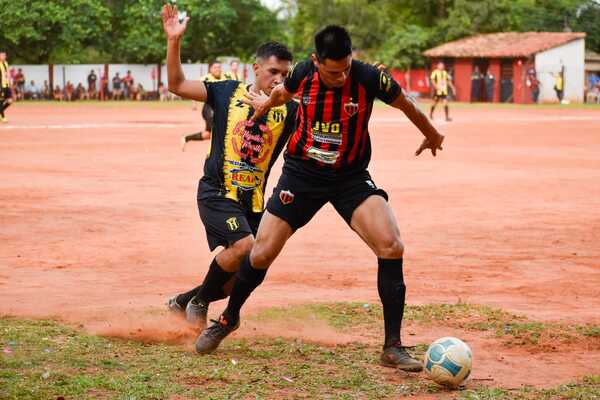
x=173, y=28
x=434, y=146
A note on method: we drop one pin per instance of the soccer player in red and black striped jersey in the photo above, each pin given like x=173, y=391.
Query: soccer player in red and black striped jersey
x=326, y=161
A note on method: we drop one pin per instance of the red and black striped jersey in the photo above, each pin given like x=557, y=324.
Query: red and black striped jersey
x=332, y=135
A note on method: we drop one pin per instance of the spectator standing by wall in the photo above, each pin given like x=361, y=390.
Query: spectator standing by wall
x=20, y=84
x=128, y=85
x=533, y=84
x=490, y=84
x=117, y=84
x=91, y=80
x=476, y=79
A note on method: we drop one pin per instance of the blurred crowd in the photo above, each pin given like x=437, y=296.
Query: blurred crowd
x=97, y=88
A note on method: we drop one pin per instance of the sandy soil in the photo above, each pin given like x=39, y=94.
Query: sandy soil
x=99, y=226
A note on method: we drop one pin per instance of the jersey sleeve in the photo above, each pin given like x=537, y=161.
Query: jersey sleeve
x=213, y=89
x=381, y=85
x=296, y=75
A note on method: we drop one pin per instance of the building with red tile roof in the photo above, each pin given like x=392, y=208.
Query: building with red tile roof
x=511, y=58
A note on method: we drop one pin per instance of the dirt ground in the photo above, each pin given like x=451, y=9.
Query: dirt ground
x=99, y=225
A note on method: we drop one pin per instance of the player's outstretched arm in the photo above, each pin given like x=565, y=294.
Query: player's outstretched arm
x=261, y=104
x=433, y=139
x=194, y=90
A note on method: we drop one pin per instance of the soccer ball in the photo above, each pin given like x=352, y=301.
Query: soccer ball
x=448, y=361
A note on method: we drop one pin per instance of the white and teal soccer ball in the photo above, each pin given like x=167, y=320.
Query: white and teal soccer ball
x=448, y=361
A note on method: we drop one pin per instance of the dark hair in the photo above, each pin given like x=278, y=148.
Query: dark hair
x=213, y=62
x=333, y=42
x=268, y=49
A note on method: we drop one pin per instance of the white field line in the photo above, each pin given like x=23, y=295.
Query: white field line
x=377, y=120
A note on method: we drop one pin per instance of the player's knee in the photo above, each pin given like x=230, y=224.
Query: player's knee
x=391, y=248
x=242, y=247
x=261, y=256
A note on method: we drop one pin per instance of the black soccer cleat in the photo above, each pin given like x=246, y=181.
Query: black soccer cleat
x=396, y=356
x=174, y=306
x=211, y=337
x=196, y=313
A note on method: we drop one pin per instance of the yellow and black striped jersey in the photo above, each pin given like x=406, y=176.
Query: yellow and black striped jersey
x=4, y=81
x=232, y=76
x=242, y=152
x=440, y=79
x=211, y=78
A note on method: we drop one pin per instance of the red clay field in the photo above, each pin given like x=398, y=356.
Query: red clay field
x=99, y=226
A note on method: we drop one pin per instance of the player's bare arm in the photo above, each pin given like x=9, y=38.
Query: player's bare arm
x=174, y=29
x=433, y=139
x=261, y=104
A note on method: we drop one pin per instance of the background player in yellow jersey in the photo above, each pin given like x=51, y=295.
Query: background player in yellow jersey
x=440, y=79
x=214, y=75
x=242, y=153
x=5, y=91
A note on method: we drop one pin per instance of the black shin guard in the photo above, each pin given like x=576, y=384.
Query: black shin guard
x=392, y=292
x=212, y=287
x=447, y=111
x=247, y=279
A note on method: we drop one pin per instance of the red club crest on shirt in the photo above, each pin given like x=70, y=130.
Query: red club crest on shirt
x=286, y=197
x=351, y=108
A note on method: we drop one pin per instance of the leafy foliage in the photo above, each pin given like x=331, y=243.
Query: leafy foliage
x=395, y=32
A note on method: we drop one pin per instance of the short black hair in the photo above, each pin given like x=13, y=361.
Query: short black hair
x=333, y=42
x=269, y=49
x=213, y=62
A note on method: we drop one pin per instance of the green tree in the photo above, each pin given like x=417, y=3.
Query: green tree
x=56, y=31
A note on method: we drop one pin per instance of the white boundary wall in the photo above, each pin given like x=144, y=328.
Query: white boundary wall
x=142, y=73
x=547, y=63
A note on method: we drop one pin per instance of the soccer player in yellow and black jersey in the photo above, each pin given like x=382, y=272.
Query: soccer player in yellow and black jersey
x=214, y=75
x=5, y=91
x=242, y=152
x=441, y=81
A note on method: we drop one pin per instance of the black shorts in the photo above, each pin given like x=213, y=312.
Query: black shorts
x=297, y=199
x=440, y=96
x=5, y=93
x=226, y=221
x=208, y=114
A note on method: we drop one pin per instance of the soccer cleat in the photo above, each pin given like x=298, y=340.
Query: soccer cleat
x=196, y=313
x=211, y=337
x=175, y=307
x=182, y=143
x=396, y=356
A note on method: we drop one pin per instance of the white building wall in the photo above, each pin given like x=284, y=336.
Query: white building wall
x=36, y=73
x=141, y=73
x=550, y=62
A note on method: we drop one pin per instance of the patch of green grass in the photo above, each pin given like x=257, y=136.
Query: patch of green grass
x=586, y=389
x=516, y=329
x=43, y=360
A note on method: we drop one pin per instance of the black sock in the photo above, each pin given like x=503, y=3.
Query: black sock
x=184, y=298
x=446, y=111
x=247, y=280
x=431, y=111
x=193, y=136
x=392, y=292
x=212, y=287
